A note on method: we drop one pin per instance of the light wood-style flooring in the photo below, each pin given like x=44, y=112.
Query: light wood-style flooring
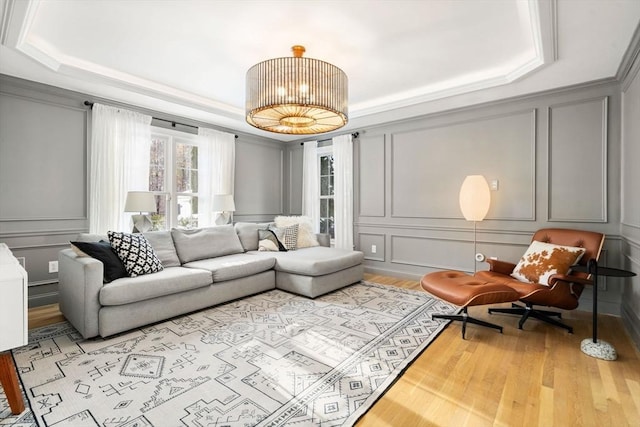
x=532, y=377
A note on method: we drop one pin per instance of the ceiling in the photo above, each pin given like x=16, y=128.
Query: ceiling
x=403, y=58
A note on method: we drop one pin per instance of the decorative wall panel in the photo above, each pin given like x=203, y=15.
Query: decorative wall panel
x=42, y=160
x=578, y=154
x=371, y=152
x=429, y=165
x=259, y=180
x=428, y=252
x=631, y=153
x=368, y=242
x=296, y=157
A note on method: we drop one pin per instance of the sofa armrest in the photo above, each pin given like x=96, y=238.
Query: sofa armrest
x=324, y=239
x=80, y=281
x=502, y=267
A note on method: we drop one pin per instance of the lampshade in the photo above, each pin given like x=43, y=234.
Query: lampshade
x=475, y=198
x=140, y=201
x=296, y=95
x=223, y=203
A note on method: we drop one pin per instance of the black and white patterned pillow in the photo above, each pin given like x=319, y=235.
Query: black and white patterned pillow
x=288, y=236
x=136, y=253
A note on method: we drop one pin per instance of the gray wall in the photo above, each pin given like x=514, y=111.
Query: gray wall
x=630, y=219
x=556, y=157
x=43, y=175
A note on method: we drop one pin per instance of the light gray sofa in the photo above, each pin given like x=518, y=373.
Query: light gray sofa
x=202, y=268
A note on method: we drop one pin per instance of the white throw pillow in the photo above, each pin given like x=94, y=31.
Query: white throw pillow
x=542, y=260
x=306, y=236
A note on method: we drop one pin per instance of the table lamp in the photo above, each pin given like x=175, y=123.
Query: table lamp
x=224, y=206
x=140, y=201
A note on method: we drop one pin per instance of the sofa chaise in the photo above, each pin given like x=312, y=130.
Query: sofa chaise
x=201, y=268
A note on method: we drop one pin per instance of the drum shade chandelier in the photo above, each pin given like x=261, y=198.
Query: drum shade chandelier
x=296, y=95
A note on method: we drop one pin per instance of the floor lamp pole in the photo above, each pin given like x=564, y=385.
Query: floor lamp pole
x=475, y=251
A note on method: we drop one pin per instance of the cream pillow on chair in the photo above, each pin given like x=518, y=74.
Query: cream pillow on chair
x=542, y=260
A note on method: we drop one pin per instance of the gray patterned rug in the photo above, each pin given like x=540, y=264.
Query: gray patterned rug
x=273, y=359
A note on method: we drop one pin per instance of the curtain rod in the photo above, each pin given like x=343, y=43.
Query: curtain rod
x=354, y=135
x=173, y=123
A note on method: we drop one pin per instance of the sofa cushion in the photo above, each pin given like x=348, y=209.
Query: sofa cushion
x=203, y=243
x=112, y=266
x=169, y=281
x=248, y=233
x=136, y=253
x=316, y=261
x=233, y=266
x=162, y=244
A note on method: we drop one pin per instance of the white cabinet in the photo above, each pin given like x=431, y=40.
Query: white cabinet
x=13, y=301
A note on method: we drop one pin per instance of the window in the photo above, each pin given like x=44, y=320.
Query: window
x=325, y=157
x=173, y=177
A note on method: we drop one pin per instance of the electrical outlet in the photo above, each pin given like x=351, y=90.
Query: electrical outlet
x=374, y=249
x=495, y=184
x=53, y=266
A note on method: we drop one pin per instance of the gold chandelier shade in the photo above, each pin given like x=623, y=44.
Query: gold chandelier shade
x=296, y=95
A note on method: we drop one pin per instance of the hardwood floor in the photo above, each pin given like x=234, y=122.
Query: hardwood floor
x=532, y=377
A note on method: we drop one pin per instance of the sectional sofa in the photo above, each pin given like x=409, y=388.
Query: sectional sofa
x=218, y=265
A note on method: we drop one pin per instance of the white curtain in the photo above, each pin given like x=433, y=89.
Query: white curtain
x=120, y=155
x=343, y=191
x=216, y=163
x=311, y=184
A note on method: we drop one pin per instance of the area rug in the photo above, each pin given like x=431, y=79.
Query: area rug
x=273, y=359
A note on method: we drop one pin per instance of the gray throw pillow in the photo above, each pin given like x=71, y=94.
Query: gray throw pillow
x=248, y=233
x=203, y=243
x=162, y=244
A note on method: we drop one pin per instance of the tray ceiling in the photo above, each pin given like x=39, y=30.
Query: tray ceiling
x=403, y=58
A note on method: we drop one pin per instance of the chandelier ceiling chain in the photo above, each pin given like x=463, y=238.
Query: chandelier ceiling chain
x=296, y=95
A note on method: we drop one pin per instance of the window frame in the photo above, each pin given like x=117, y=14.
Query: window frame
x=172, y=139
x=322, y=152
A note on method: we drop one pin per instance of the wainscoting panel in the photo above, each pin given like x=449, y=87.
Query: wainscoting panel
x=259, y=179
x=428, y=166
x=43, y=167
x=371, y=156
x=441, y=254
x=367, y=241
x=578, y=153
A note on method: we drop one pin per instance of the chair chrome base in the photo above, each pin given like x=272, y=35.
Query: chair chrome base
x=465, y=318
x=529, y=311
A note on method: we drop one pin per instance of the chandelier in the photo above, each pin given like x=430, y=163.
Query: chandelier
x=296, y=95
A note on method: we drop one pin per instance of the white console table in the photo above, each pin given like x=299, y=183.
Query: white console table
x=13, y=323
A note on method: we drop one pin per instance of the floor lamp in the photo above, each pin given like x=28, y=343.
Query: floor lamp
x=475, y=198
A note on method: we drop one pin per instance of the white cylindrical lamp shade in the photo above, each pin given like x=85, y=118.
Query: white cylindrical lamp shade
x=475, y=198
x=140, y=201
